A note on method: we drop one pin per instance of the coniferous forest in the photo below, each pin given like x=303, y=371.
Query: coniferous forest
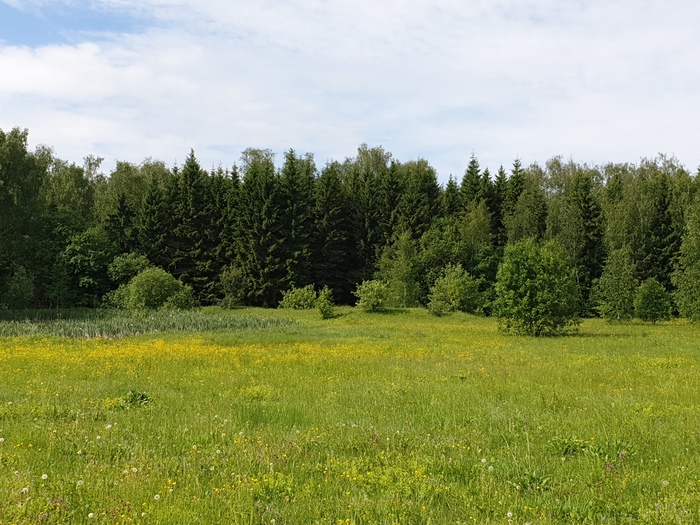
x=70, y=236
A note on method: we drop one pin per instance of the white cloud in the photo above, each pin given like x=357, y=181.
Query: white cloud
x=599, y=80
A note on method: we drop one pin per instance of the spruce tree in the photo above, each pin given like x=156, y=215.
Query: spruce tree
x=334, y=261
x=471, y=187
x=259, y=252
x=296, y=181
x=419, y=203
x=450, y=201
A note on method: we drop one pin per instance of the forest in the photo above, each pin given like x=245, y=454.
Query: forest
x=70, y=235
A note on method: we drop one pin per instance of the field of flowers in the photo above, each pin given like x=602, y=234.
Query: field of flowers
x=392, y=419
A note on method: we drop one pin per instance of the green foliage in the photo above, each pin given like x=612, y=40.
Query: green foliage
x=324, y=303
x=127, y=266
x=19, y=290
x=151, y=288
x=455, y=290
x=398, y=269
x=183, y=299
x=652, y=302
x=617, y=287
x=372, y=296
x=231, y=279
x=87, y=258
x=686, y=278
x=299, y=298
x=536, y=291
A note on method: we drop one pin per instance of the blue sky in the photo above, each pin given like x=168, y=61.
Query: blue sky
x=594, y=80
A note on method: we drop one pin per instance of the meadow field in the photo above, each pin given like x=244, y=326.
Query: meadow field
x=398, y=418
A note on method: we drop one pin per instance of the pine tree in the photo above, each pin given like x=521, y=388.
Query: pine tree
x=334, y=261
x=295, y=227
x=259, y=253
x=120, y=226
x=500, y=189
x=155, y=225
x=471, y=187
x=450, y=201
x=420, y=200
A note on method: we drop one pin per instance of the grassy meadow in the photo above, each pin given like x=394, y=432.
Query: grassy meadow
x=398, y=418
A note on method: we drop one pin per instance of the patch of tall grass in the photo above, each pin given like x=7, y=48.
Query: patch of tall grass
x=111, y=324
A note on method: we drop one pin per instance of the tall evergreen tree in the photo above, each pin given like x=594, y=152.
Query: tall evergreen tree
x=296, y=221
x=419, y=204
x=334, y=259
x=450, y=199
x=500, y=189
x=472, y=184
x=259, y=251
x=155, y=225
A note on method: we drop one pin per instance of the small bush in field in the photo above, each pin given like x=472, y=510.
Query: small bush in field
x=151, y=288
x=372, y=296
x=233, y=287
x=299, y=298
x=652, y=302
x=324, y=303
x=454, y=291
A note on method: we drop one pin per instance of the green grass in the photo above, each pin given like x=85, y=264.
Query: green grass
x=111, y=324
x=383, y=418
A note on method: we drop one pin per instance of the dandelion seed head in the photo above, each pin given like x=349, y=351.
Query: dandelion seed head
x=483, y=461
x=664, y=483
x=490, y=468
x=44, y=476
x=509, y=515
x=156, y=497
x=91, y=515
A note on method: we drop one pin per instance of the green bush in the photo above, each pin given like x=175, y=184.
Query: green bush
x=232, y=286
x=454, y=291
x=536, y=290
x=151, y=288
x=372, y=296
x=324, y=303
x=299, y=298
x=183, y=299
x=652, y=302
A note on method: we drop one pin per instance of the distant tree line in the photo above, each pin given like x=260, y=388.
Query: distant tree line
x=70, y=236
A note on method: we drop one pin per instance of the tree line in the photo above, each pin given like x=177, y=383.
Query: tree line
x=70, y=236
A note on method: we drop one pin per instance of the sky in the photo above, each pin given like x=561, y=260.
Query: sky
x=595, y=81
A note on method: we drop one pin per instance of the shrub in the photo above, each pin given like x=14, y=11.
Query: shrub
x=324, y=303
x=232, y=286
x=183, y=299
x=372, y=296
x=536, y=290
x=151, y=288
x=299, y=298
x=455, y=290
x=652, y=302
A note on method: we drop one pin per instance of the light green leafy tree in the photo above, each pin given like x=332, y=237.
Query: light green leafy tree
x=536, y=290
